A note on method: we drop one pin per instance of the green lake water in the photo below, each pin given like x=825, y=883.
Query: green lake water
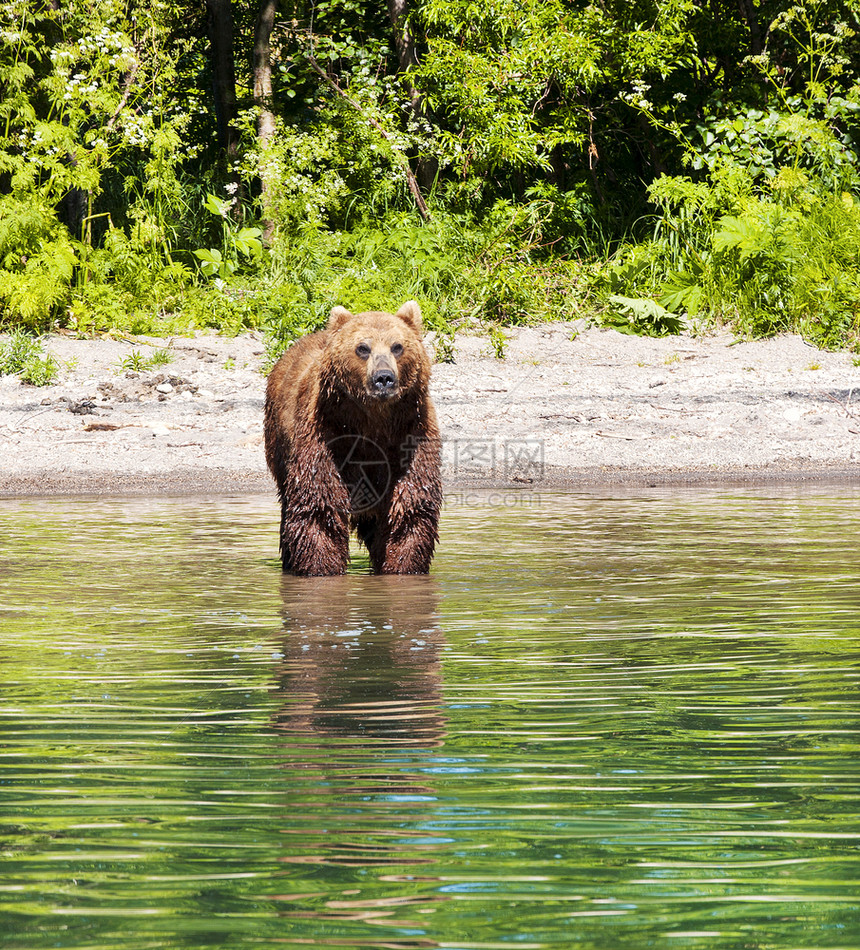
x=602, y=722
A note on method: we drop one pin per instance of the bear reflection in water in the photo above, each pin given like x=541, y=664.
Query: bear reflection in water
x=362, y=658
x=361, y=717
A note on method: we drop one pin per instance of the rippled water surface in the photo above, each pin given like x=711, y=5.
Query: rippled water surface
x=600, y=723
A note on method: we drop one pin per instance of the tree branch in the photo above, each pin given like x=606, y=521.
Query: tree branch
x=410, y=177
x=129, y=79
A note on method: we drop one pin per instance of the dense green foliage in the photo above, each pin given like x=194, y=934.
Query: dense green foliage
x=166, y=166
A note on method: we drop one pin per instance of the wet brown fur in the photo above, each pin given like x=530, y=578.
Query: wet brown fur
x=345, y=456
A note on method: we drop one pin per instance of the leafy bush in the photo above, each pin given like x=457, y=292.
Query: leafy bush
x=37, y=262
x=787, y=258
x=643, y=317
x=460, y=270
x=768, y=239
x=237, y=243
x=25, y=356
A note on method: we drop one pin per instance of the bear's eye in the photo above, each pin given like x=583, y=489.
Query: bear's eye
x=362, y=350
x=397, y=349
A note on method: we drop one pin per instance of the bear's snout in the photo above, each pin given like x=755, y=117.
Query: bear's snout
x=382, y=377
x=384, y=382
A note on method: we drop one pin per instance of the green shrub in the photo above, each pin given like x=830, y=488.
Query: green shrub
x=643, y=317
x=25, y=356
x=766, y=255
x=37, y=262
x=462, y=271
x=139, y=361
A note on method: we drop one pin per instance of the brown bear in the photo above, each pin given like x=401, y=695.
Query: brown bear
x=353, y=443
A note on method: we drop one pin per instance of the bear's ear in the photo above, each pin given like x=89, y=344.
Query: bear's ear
x=410, y=314
x=338, y=317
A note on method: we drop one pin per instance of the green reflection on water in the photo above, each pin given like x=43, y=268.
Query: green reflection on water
x=599, y=723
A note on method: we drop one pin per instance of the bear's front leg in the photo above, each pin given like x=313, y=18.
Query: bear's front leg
x=314, y=542
x=407, y=545
x=314, y=515
x=405, y=535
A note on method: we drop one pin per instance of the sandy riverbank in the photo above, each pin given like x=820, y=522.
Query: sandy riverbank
x=568, y=407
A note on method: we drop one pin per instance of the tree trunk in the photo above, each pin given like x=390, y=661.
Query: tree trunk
x=263, y=100
x=657, y=162
x=398, y=10
x=223, y=74
x=750, y=14
x=407, y=57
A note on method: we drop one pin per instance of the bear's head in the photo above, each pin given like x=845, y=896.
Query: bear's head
x=377, y=357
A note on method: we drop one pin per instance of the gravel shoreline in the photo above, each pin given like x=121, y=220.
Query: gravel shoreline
x=568, y=407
